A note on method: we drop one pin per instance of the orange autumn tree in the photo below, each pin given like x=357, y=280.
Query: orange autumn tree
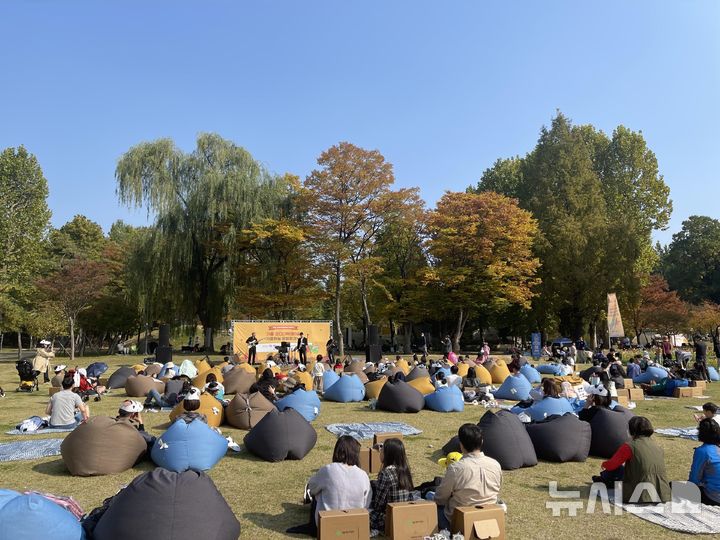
x=481, y=245
x=659, y=309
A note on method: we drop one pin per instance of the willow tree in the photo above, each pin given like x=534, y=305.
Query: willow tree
x=201, y=201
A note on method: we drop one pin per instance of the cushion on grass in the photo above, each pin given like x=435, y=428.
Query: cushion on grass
x=446, y=399
x=140, y=385
x=209, y=406
x=165, y=505
x=348, y=388
x=548, y=406
x=306, y=402
x=30, y=517
x=499, y=372
x=245, y=410
x=238, y=381
x=515, y=388
x=186, y=446
x=120, y=377
x=96, y=369
x=416, y=373
x=652, y=373
x=102, y=446
x=551, y=369
x=329, y=378
x=713, y=373
x=281, y=435
x=423, y=385
x=531, y=374
x=400, y=397
x=609, y=431
x=372, y=388
x=561, y=438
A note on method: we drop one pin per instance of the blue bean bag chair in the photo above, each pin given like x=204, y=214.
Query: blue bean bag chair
x=445, y=370
x=672, y=384
x=714, y=375
x=531, y=374
x=652, y=373
x=548, y=406
x=307, y=403
x=515, y=388
x=348, y=388
x=29, y=517
x=446, y=399
x=194, y=446
x=96, y=369
x=329, y=378
x=551, y=369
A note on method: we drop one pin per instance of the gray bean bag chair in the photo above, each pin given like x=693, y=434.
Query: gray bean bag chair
x=505, y=440
x=120, y=377
x=246, y=410
x=561, y=438
x=587, y=373
x=400, y=397
x=609, y=431
x=165, y=505
x=140, y=385
x=172, y=389
x=281, y=435
x=153, y=369
x=238, y=381
x=358, y=368
x=417, y=373
x=102, y=446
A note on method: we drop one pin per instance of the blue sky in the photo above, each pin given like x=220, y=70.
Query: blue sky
x=442, y=89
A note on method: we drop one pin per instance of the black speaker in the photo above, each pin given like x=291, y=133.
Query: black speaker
x=164, y=335
x=163, y=354
x=373, y=349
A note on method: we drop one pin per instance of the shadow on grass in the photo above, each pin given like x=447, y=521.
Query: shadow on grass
x=293, y=514
x=55, y=467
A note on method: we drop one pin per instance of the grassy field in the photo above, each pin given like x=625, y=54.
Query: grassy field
x=266, y=496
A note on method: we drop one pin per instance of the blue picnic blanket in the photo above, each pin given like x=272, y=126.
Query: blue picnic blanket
x=366, y=430
x=35, y=449
x=41, y=431
x=684, y=433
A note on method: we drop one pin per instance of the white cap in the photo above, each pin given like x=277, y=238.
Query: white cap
x=82, y=371
x=193, y=394
x=597, y=390
x=169, y=365
x=131, y=406
x=59, y=368
x=44, y=342
x=302, y=367
x=270, y=363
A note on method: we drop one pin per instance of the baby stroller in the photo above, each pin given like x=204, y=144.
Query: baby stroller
x=28, y=376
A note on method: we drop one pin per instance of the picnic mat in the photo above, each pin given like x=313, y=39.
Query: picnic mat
x=366, y=430
x=707, y=521
x=39, y=448
x=41, y=431
x=684, y=433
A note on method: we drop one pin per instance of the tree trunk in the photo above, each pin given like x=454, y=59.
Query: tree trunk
x=19, y=345
x=72, y=340
x=366, y=310
x=459, y=329
x=392, y=335
x=209, y=346
x=338, y=326
x=2, y=337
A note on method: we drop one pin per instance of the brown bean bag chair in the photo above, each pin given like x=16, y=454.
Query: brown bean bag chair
x=357, y=367
x=56, y=381
x=416, y=373
x=102, y=446
x=402, y=364
x=209, y=406
x=390, y=372
x=199, y=381
x=140, y=385
x=372, y=388
x=423, y=385
x=238, y=381
x=499, y=372
x=246, y=410
x=153, y=369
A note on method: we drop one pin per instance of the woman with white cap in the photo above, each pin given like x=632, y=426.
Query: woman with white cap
x=598, y=397
x=191, y=403
x=129, y=413
x=41, y=362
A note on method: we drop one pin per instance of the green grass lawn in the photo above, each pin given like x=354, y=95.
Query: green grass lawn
x=266, y=496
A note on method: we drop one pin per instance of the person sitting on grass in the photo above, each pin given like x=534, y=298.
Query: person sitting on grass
x=705, y=469
x=633, y=367
x=129, y=413
x=638, y=464
x=394, y=483
x=154, y=400
x=341, y=485
x=66, y=408
x=475, y=479
x=710, y=410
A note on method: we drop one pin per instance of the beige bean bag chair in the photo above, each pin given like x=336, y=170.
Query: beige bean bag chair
x=423, y=385
x=498, y=372
x=238, y=381
x=199, y=381
x=139, y=368
x=402, y=364
x=209, y=406
x=140, y=385
x=102, y=446
x=246, y=410
x=202, y=365
x=372, y=388
x=247, y=367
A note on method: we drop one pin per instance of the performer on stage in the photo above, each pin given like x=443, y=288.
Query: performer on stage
x=252, y=342
x=301, y=347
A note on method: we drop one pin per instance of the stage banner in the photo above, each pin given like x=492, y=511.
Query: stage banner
x=615, y=324
x=271, y=333
x=536, y=344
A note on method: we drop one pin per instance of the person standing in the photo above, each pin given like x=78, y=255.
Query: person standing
x=701, y=357
x=252, y=342
x=666, y=348
x=423, y=344
x=301, y=347
x=330, y=348
x=447, y=346
x=716, y=345
x=41, y=362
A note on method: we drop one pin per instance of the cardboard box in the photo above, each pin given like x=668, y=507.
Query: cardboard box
x=344, y=524
x=412, y=520
x=623, y=400
x=697, y=391
x=378, y=438
x=54, y=390
x=636, y=394
x=683, y=392
x=629, y=383
x=370, y=461
x=699, y=384
x=479, y=522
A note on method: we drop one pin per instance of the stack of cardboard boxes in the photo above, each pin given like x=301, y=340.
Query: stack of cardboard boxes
x=696, y=389
x=629, y=393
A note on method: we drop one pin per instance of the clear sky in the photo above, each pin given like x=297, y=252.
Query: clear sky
x=442, y=89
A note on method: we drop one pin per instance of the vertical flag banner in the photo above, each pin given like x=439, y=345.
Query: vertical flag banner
x=614, y=320
x=536, y=344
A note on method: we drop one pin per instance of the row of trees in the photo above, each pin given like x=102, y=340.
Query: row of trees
x=535, y=245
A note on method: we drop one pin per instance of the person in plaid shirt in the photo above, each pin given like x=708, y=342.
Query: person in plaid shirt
x=394, y=483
